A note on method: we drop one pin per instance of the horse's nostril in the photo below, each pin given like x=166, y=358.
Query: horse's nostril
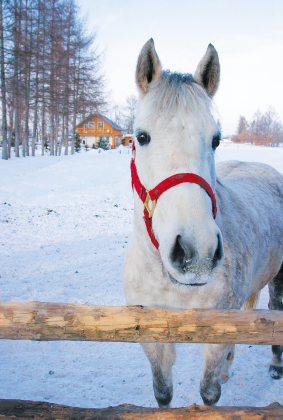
x=181, y=254
x=184, y=257
x=178, y=253
x=219, y=251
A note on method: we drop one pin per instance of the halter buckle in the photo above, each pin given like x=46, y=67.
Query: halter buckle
x=149, y=210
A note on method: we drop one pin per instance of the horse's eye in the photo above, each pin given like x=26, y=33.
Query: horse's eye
x=143, y=138
x=216, y=141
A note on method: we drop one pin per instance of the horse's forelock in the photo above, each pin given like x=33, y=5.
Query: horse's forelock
x=176, y=93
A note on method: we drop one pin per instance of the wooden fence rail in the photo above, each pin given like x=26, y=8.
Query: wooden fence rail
x=61, y=321
x=15, y=409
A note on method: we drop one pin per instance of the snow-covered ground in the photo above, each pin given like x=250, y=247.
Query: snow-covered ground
x=65, y=223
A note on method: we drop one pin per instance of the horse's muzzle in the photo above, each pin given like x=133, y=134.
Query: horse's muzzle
x=190, y=267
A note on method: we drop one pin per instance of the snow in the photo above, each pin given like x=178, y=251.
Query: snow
x=65, y=223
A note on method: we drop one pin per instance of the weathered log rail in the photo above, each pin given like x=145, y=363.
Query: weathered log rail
x=61, y=321
x=11, y=409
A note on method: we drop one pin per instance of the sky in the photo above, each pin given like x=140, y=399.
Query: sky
x=248, y=36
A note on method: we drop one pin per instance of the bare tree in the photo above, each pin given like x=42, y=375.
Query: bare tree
x=3, y=88
x=130, y=112
x=36, y=83
x=27, y=71
x=242, y=125
x=117, y=114
x=17, y=30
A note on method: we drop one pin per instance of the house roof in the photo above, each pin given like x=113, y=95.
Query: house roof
x=114, y=125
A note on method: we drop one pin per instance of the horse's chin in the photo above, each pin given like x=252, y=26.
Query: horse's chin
x=194, y=281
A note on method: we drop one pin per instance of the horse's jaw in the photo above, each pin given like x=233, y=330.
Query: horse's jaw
x=187, y=282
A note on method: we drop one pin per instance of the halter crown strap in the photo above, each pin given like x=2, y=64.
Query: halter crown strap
x=179, y=179
x=163, y=186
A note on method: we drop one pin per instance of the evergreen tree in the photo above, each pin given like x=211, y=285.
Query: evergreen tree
x=102, y=144
x=77, y=144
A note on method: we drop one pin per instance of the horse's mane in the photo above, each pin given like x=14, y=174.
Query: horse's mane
x=176, y=93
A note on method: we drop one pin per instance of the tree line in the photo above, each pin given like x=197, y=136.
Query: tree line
x=263, y=129
x=50, y=75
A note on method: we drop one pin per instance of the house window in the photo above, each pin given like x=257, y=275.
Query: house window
x=91, y=125
x=100, y=125
x=116, y=141
x=83, y=141
x=85, y=125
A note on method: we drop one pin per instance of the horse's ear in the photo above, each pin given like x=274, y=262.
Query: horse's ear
x=208, y=71
x=148, y=66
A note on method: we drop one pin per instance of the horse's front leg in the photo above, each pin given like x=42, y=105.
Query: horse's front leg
x=215, y=356
x=228, y=365
x=161, y=357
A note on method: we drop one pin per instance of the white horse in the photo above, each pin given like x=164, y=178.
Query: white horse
x=180, y=256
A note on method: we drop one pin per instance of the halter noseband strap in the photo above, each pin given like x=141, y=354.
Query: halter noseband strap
x=146, y=195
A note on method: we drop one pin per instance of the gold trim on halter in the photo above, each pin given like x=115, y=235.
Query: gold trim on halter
x=150, y=211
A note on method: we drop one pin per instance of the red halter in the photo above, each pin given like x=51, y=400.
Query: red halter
x=156, y=192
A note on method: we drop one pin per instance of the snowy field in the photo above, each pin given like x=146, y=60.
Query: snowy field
x=65, y=223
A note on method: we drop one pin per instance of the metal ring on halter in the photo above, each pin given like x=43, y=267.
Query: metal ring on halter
x=150, y=211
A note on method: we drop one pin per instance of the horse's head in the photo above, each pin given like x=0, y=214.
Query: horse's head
x=176, y=133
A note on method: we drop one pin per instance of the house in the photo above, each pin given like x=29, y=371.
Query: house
x=127, y=140
x=97, y=128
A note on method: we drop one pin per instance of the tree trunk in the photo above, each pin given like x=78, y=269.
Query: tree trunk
x=73, y=137
x=52, y=81
x=43, y=88
x=16, y=76
x=34, y=131
x=52, y=128
x=67, y=69
x=43, y=121
x=67, y=134
x=75, y=87
x=56, y=132
x=27, y=59
x=3, y=89
x=62, y=136
x=11, y=113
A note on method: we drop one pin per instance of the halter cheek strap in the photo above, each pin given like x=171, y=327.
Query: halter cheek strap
x=152, y=195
